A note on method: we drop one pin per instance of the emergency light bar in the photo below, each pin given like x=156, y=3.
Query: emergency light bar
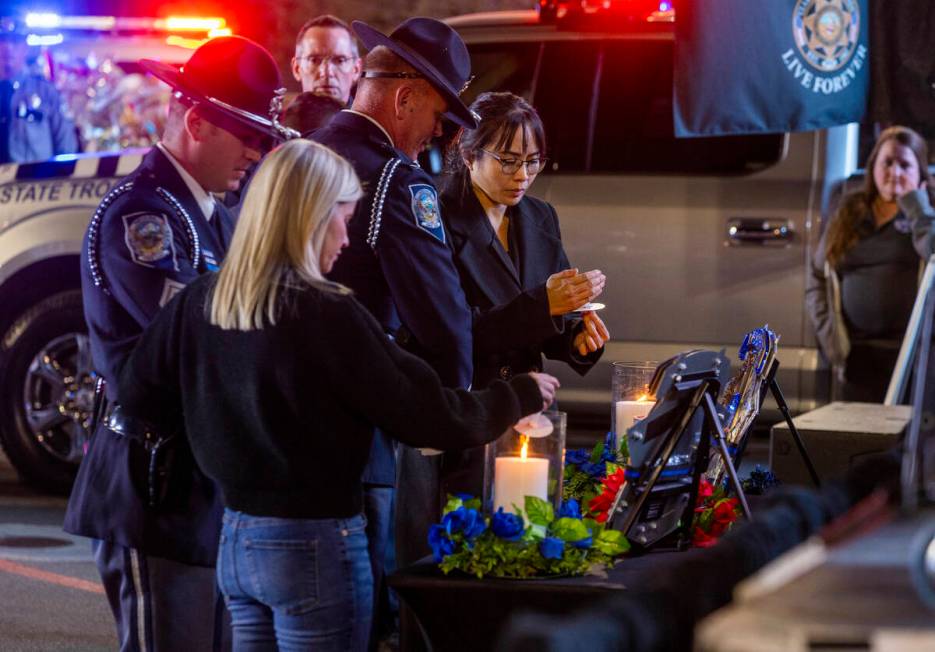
x=579, y=11
x=212, y=25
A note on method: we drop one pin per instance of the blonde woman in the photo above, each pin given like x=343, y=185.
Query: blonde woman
x=279, y=377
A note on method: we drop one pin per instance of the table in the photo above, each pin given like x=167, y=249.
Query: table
x=458, y=612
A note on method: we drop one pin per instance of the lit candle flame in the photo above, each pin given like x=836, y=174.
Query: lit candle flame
x=525, y=447
x=645, y=398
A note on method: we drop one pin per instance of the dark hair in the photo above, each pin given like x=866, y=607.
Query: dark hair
x=501, y=115
x=329, y=21
x=849, y=223
x=307, y=112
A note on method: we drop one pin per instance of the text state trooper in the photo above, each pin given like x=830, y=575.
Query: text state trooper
x=398, y=262
x=156, y=537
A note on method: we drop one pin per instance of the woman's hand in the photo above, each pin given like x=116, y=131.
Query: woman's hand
x=547, y=386
x=568, y=290
x=592, y=336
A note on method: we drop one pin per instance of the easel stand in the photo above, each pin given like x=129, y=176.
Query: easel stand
x=769, y=383
x=702, y=397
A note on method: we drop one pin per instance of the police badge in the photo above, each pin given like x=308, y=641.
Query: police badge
x=148, y=238
x=425, y=209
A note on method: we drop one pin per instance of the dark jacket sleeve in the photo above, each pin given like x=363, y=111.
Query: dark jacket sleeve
x=150, y=379
x=917, y=206
x=820, y=312
x=424, y=283
x=401, y=394
x=522, y=322
x=562, y=345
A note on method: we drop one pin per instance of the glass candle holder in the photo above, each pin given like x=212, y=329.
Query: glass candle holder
x=631, y=399
x=527, y=460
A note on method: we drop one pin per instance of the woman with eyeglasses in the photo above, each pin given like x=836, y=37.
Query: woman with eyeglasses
x=507, y=247
x=279, y=377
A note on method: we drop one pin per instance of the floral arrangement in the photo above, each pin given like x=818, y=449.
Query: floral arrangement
x=534, y=542
x=593, y=478
x=715, y=513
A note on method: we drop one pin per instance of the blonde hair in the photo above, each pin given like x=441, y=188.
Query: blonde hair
x=280, y=232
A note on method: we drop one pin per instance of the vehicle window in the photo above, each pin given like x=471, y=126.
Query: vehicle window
x=502, y=67
x=634, y=131
x=563, y=91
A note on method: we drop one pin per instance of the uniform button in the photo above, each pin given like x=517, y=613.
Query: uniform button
x=505, y=372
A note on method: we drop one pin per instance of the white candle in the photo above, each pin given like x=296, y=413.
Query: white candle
x=629, y=412
x=518, y=477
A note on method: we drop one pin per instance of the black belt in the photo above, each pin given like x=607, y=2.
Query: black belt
x=117, y=420
x=159, y=448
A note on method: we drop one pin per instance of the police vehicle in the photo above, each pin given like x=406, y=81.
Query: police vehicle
x=702, y=239
x=47, y=377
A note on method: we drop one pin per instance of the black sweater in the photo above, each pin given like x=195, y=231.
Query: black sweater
x=282, y=418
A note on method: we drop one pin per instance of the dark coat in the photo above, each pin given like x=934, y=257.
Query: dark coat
x=147, y=240
x=397, y=262
x=510, y=306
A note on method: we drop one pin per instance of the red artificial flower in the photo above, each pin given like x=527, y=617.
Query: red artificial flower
x=705, y=490
x=600, y=504
x=726, y=511
x=702, y=539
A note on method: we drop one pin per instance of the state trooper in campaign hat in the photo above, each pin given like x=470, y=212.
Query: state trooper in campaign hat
x=398, y=262
x=154, y=518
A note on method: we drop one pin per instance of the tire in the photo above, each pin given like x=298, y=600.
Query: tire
x=47, y=391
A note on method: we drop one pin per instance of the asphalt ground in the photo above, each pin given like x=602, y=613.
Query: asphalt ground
x=50, y=595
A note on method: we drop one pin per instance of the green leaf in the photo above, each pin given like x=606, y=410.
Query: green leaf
x=595, y=527
x=453, y=503
x=538, y=511
x=596, y=452
x=611, y=543
x=569, y=529
x=473, y=503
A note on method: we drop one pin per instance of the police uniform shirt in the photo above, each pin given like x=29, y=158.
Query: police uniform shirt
x=150, y=237
x=37, y=128
x=398, y=262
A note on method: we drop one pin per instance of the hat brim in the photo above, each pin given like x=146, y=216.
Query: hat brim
x=173, y=77
x=458, y=111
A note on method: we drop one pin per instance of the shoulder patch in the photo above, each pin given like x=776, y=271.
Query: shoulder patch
x=149, y=239
x=425, y=209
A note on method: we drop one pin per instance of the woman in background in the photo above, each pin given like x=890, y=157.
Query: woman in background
x=864, y=275
x=280, y=377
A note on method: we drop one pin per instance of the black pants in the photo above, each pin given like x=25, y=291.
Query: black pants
x=868, y=370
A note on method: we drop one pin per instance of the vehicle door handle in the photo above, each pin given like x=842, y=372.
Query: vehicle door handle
x=763, y=231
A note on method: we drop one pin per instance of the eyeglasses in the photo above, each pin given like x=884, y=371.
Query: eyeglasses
x=512, y=165
x=340, y=62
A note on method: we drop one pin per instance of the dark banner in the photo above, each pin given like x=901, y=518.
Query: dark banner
x=761, y=66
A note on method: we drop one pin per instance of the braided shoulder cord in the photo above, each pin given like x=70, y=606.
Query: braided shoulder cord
x=94, y=228
x=193, y=240
x=379, y=196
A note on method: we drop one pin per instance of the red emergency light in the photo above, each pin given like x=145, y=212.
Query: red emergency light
x=581, y=13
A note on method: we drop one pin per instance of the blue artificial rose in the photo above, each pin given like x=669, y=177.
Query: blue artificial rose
x=552, y=548
x=507, y=525
x=441, y=545
x=577, y=457
x=569, y=509
x=465, y=520
x=585, y=543
x=595, y=470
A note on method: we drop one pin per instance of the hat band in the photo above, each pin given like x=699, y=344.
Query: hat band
x=374, y=74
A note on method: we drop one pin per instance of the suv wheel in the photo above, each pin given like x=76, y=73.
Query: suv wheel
x=47, y=391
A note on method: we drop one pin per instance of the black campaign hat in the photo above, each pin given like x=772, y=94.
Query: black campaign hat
x=436, y=51
x=235, y=77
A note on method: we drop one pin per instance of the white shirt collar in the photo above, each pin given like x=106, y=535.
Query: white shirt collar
x=202, y=197
x=364, y=115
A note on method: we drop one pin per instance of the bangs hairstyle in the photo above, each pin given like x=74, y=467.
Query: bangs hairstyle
x=501, y=116
x=280, y=232
x=850, y=223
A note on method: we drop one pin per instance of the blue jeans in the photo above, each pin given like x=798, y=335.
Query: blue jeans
x=296, y=584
